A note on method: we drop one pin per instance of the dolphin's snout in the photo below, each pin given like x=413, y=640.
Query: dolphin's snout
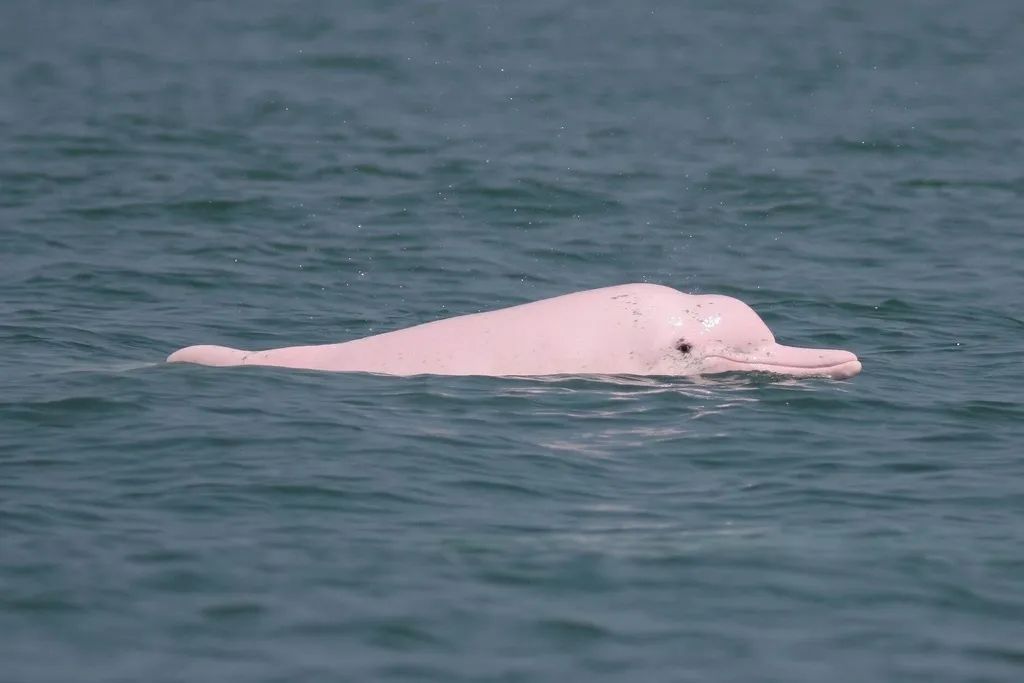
x=792, y=361
x=846, y=369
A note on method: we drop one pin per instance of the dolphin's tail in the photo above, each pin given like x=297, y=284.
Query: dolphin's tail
x=209, y=355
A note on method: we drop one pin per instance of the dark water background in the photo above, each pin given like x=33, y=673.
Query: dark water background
x=261, y=174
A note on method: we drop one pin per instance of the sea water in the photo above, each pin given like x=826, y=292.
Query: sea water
x=260, y=174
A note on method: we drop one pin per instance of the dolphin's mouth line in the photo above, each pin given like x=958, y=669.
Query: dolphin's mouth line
x=768, y=363
x=789, y=361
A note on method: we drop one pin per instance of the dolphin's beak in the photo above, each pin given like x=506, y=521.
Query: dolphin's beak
x=786, y=360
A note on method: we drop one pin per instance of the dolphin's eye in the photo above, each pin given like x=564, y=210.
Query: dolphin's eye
x=683, y=346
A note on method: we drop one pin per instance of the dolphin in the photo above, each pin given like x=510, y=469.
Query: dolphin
x=631, y=329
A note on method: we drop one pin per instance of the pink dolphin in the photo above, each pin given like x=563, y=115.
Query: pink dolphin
x=635, y=329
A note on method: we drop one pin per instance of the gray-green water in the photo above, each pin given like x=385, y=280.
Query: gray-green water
x=261, y=174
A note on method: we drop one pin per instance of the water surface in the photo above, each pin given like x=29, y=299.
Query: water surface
x=257, y=175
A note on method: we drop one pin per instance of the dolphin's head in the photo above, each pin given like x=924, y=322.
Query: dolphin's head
x=723, y=334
